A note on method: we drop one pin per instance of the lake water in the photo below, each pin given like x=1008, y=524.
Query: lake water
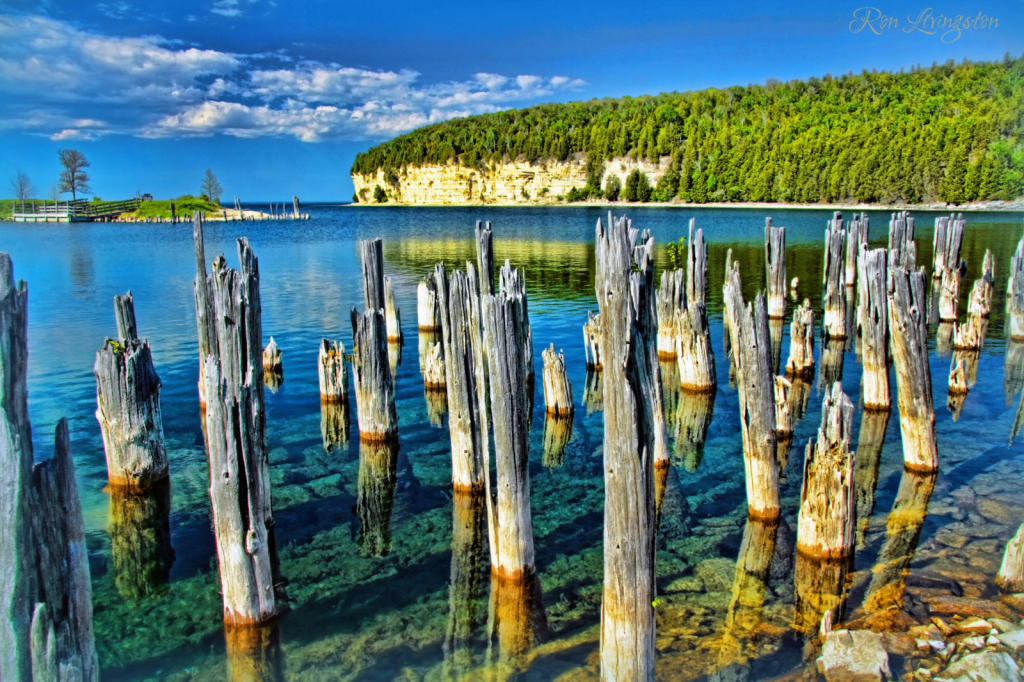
x=366, y=551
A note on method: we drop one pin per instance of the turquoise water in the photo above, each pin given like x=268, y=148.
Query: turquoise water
x=367, y=557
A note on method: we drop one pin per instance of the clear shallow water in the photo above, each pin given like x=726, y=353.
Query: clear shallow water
x=354, y=615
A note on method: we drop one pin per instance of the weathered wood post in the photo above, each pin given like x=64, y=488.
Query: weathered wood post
x=392, y=317
x=957, y=393
x=428, y=313
x=856, y=236
x=827, y=504
x=1011, y=573
x=980, y=302
x=557, y=389
x=273, y=366
x=731, y=267
x=834, y=321
x=592, y=341
x=628, y=334
x=1013, y=369
x=873, y=328
x=801, y=343
x=902, y=533
x=783, y=421
x=140, y=539
x=467, y=426
x=869, y=455
x=671, y=301
x=46, y=592
x=128, y=405
x=295, y=207
x=1015, y=294
x=946, y=242
x=696, y=358
x=378, y=476
x=371, y=375
x=206, y=326
x=909, y=337
x=485, y=257
x=371, y=253
x=775, y=269
x=751, y=352
x=237, y=440
x=903, y=251
x=332, y=372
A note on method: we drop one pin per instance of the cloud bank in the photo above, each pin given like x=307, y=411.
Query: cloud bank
x=73, y=84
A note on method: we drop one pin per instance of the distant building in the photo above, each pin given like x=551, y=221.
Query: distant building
x=147, y=197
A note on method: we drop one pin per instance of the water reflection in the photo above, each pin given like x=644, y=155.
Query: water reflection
x=833, y=351
x=869, y=456
x=273, y=378
x=394, y=356
x=593, y=393
x=517, y=622
x=902, y=533
x=140, y=539
x=465, y=588
x=821, y=587
x=944, y=339
x=334, y=424
x=1013, y=369
x=672, y=511
x=745, y=617
x=693, y=417
x=378, y=474
x=775, y=327
x=83, y=273
x=254, y=653
x=437, y=405
x=557, y=432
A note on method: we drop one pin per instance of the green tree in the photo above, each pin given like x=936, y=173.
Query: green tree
x=612, y=187
x=210, y=187
x=643, y=188
x=379, y=195
x=632, y=185
x=668, y=185
x=952, y=189
x=73, y=178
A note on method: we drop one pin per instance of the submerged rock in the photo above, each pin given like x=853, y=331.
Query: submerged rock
x=854, y=656
x=984, y=665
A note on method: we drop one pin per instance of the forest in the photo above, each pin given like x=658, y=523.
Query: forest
x=950, y=132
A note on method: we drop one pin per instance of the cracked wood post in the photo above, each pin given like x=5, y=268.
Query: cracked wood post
x=909, y=339
x=856, y=237
x=949, y=292
x=333, y=375
x=903, y=251
x=504, y=337
x=1015, y=294
x=428, y=312
x=295, y=207
x=834, y=303
x=557, y=389
x=730, y=267
x=485, y=257
x=873, y=323
x=980, y=301
x=946, y=242
x=371, y=252
x=371, y=376
x=957, y=392
x=628, y=335
x=392, y=316
x=783, y=420
x=243, y=518
x=800, y=364
x=592, y=341
x=467, y=429
x=205, y=324
x=128, y=405
x=695, y=356
x=751, y=352
x=827, y=504
x=1011, y=573
x=775, y=269
x=671, y=301
x=273, y=359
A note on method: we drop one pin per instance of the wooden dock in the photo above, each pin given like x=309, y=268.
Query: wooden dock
x=80, y=211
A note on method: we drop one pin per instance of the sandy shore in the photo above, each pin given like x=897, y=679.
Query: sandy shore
x=984, y=206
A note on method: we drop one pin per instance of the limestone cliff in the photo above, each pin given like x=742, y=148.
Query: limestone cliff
x=517, y=182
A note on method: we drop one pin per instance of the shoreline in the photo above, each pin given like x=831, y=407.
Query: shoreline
x=1016, y=206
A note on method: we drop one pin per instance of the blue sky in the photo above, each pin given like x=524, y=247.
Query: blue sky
x=277, y=97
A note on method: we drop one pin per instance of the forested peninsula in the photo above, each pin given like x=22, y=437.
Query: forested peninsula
x=946, y=133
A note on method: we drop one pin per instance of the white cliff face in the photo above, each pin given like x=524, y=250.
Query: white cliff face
x=519, y=182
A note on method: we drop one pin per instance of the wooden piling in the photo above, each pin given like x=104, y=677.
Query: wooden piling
x=272, y=358
x=485, y=257
x=751, y=353
x=392, y=316
x=1010, y=578
x=237, y=441
x=732, y=268
x=834, y=303
x=801, y=343
x=372, y=378
x=949, y=294
x=695, y=356
x=1015, y=294
x=428, y=313
x=775, y=269
x=557, y=389
x=980, y=301
x=592, y=341
x=332, y=371
x=902, y=250
x=624, y=290
x=371, y=252
x=873, y=328
x=671, y=302
x=957, y=393
x=206, y=326
x=909, y=343
x=468, y=428
x=856, y=238
x=128, y=405
x=1013, y=369
x=827, y=504
x=946, y=242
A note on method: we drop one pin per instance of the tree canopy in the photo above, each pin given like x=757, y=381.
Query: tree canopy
x=73, y=178
x=210, y=187
x=953, y=132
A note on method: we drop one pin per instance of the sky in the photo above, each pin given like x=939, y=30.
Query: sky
x=278, y=97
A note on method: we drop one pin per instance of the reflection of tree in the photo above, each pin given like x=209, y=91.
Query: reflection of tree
x=593, y=393
x=672, y=511
x=944, y=339
x=869, y=454
x=140, y=539
x=273, y=379
x=820, y=588
x=1013, y=367
x=254, y=652
x=557, y=432
x=745, y=616
x=465, y=588
x=517, y=620
x=670, y=389
x=902, y=533
x=378, y=474
x=437, y=405
x=394, y=356
x=334, y=424
x=832, y=353
x=970, y=359
x=693, y=416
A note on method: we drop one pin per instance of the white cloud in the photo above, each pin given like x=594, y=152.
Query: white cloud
x=226, y=8
x=67, y=78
